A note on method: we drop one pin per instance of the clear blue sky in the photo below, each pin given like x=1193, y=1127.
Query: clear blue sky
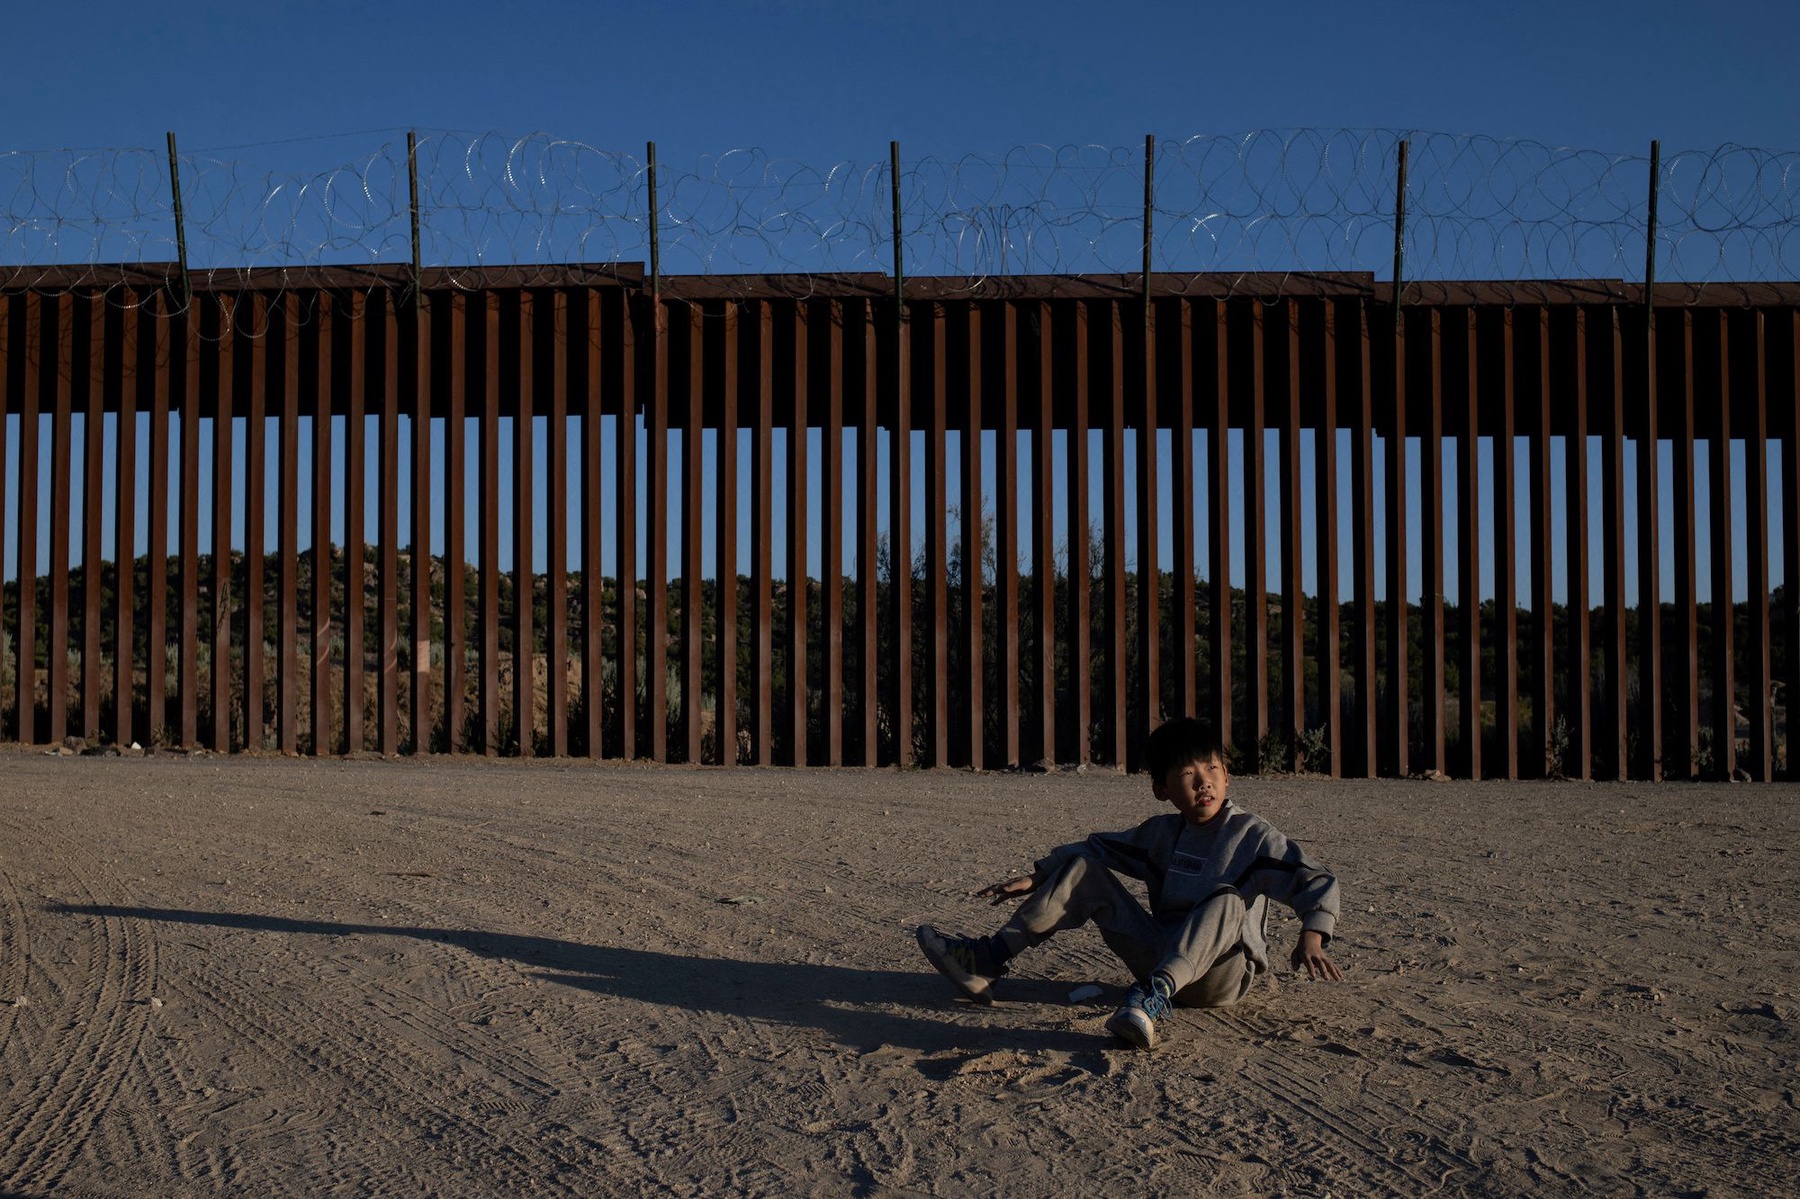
x=303, y=87
x=825, y=81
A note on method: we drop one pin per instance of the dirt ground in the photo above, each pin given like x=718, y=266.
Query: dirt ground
x=266, y=977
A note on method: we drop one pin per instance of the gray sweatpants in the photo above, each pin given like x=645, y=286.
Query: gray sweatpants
x=1201, y=951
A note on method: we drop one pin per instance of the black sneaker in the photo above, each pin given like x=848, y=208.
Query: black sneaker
x=965, y=961
x=1135, y=1022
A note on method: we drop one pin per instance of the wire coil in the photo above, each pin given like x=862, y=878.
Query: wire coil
x=1269, y=201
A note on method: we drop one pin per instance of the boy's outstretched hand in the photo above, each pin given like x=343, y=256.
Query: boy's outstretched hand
x=1310, y=952
x=1012, y=888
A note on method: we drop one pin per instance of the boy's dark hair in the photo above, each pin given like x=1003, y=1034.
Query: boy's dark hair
x=1180, y=742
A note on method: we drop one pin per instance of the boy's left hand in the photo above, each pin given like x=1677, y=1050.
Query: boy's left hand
x=1310, y=952
x=1012, y=888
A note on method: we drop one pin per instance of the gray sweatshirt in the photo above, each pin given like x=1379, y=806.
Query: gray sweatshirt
x=1182, y=867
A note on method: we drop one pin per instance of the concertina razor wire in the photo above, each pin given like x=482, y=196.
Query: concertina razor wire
x=1271, y=202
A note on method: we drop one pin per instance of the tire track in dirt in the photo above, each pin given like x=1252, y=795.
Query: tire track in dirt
x=488, y=1054
x=163, y=1065
x=141, y=1127
x=761, y=1108
x=1734, y=1141
x=879, y=1151
x=332, y=1067
x=660, y=1112
x=15, y=957
x=770, y=1107
x=1287, y=1082
x=523, y=1071
x=82, y=1028
x=531, y=1072
x=376, y=1070
x=1618, y=1072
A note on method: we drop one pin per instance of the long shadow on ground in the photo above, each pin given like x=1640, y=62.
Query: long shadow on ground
x=854, y=1007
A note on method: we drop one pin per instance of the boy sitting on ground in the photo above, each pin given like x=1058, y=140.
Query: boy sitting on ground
x=1209, y=868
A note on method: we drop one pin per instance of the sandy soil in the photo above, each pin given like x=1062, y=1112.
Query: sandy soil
x=263, y=977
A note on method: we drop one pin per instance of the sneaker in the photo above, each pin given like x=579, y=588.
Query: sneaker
x=1135, y=1022
x=965, y=961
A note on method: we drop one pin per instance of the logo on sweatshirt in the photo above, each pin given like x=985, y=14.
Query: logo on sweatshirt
x=1187, y=863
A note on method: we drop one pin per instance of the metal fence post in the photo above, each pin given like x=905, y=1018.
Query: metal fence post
x=1149, y=197
x=900, y=497
x=1650, y=233
x=655, y=237
x=1145, y=709
x=1399, y=229
x=187, y=287
x=1651, y=678
x=899, y=268
x=412, y=180
x=1393, y=744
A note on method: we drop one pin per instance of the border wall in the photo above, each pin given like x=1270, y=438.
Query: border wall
x=718, y=478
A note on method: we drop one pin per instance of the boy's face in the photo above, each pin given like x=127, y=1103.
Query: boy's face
x=1197, y=790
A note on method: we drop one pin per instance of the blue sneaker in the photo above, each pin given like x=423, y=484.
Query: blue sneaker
x=1145, y=1004
x=965, y=961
